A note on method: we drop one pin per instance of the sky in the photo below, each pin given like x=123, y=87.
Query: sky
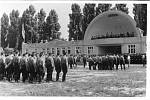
x=62, y=9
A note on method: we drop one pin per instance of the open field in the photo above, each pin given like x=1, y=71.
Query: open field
x=82, y=82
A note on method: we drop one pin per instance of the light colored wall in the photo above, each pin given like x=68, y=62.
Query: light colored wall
x=124, y=42
x=139, y=48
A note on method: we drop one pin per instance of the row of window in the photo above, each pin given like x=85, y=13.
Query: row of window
x=52, y=50
x=78, y=50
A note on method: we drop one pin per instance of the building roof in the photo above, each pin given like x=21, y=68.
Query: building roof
x=111, y=22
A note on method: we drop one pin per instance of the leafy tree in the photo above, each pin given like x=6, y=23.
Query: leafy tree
x=14, y=29
x=102, y=8
x=140, y=16
x=88, y=16
x=75, y=31
x=4, y=29
x=52, y=26
x=122, y=7
x=30, y=24
x=41, y=25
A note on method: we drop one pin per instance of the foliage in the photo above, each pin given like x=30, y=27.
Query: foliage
x=30, y=24
x=122, y=7
x=4, y=29
x=75, y=31
x=14, y=29
x=34, y=24
x=140, y=16
x=41, y=25
x=52, y=25
x=102, y=8
x=88, y=16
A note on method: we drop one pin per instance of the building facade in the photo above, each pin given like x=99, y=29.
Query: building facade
x=112, y=32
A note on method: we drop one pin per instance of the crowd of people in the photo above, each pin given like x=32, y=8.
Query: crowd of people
x=32, y=67
x=108, y=62
x=111, y=35
x=39, y=67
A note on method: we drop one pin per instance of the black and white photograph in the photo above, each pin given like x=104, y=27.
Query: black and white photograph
x=74, y=49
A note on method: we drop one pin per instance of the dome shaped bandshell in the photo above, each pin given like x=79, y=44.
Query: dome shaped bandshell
x=111, y=23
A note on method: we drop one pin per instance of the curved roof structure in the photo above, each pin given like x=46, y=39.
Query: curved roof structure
x=111, y=22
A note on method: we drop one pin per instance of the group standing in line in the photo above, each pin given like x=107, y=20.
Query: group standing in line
x=37, y=67
x=32, y=67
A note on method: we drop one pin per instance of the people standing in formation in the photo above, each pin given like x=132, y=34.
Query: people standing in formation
x=108, y=62
x=36, y=67
x=32, y=67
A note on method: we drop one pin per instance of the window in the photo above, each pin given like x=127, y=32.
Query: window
x=58, y=50
x=131, y=48
x=77, y=50
x=69, y=50
x=63, y=50
x=90, y=50
x=53, y=50
x=48, y=50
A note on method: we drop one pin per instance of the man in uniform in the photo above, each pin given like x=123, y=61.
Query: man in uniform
x=84, y=61
x=104, y=63
x=2, y=66
x=117, y=61
x=57, y=66
x=91, y=62
x=9, y=67
x=75, y=60
x=49, y=64
x=111, y=62
x=64, y=66
x=31, y=68
x=99, y=61
x=95, y=62
x=16, y=67
x=122, y=62
x=23, y=68
x=40, y=69
x=70, y=61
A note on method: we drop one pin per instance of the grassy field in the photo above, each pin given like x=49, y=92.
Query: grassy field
x=82, y=82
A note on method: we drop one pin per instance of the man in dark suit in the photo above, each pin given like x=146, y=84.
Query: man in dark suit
x=49, y=64
x=9, y=67
x=16, y=67
x=23, y=68
x=91, y=62
x=57, y=66
x=64, y=66
x=122, y=62
x=117, y=62
x=39, y=68
x=2, y=66
x=31, y=68
x=84, y=61
x=70, y=61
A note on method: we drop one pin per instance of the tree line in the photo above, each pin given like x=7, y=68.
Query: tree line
x=79, y=21
x=35, y=26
